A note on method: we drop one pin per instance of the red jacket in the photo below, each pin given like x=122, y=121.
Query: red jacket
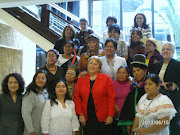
x=103, y=95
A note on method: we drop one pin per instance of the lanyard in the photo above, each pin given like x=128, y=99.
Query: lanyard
x=111, y=65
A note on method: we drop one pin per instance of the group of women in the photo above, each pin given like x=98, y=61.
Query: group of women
x=119, y=90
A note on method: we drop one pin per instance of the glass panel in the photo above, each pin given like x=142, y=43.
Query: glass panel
x=130, y=9
x=100, y=11
x=162, y=29
x=97, y=16
x=70, y=7
x=57, y=24
x=178, y=52
x=167, y=20
x=177, y=43
x=40, y=57
x=34, y=11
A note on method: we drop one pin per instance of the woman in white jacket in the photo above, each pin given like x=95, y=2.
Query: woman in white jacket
x=59, y=116
x=111, y=62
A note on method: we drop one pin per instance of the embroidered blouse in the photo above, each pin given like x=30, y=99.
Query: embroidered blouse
x=160, y=107
x=122, y=49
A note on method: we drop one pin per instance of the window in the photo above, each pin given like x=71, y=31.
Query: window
x=130, y=9
x=165, y=15
x=34, y=11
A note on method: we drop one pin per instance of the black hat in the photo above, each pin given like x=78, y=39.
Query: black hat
x=139, y=59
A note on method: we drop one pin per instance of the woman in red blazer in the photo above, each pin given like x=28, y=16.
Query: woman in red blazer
x=94, y=99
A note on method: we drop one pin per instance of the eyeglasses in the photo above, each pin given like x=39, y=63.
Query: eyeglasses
x=166, y=49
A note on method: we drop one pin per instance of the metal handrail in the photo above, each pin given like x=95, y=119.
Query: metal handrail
x=64, y=11
x=49, y=11
x=70, y=15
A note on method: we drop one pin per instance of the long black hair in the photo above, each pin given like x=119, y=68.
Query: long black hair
x=144, y=25
x=32, y=86
x=53, y=95
x=20, y=80
x=139, y=32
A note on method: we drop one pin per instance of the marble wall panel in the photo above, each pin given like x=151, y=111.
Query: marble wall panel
x=10, y=61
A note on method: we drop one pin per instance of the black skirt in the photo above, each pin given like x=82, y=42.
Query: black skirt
x=94, y=127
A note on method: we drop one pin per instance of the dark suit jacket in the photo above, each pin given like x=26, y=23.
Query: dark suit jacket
x=11, y=122
x=172, y=74
x=128, y=110
x=103, y=96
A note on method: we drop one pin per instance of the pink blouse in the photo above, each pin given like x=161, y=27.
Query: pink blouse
x=121, y=90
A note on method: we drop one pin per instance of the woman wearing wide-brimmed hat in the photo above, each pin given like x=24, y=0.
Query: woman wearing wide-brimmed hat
x=153, y=52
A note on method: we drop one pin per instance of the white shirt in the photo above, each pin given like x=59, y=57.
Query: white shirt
x=106, y=69
x=160, y=107
x=62, y=60
x=57, y=120
x=162, y=71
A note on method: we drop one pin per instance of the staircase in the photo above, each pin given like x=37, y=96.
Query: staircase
x=47, y=23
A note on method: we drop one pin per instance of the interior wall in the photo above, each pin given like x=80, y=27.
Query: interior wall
x=17, y=53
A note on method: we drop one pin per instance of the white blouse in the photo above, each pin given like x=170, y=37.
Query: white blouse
x=107, y=68
x=160, y=107
x=62, y=60
x=57, y=120
x=162, y=71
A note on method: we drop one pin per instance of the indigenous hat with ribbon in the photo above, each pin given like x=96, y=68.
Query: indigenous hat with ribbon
x=157, y=43
x=72, y=65
x=93, y=37
x=139, y=59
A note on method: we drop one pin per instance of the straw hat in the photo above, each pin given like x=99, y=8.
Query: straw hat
x=158, y=43
x=139, y=59
x=93, y=35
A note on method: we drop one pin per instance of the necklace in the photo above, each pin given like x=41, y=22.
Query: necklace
x=92, y=78
x=51, y=69
x=145, y=111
